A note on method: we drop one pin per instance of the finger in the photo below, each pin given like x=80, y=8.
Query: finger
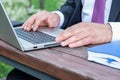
x=82, y=42
x=69, y=32
x=53, y=20
x=64, y=35
x=41, y=21
x=24, y=26
x=36, y=24
x=50, y=23
x=75, y=38
x=28, y=24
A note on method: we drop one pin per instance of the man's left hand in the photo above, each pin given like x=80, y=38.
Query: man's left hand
x=85, y=33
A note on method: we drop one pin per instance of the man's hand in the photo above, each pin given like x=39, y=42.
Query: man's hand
x=43, y=19
x=84, y=34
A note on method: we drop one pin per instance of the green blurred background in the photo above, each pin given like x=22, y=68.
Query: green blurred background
x=20, y=10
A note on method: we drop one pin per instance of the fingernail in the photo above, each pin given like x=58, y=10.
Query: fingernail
x=57, y=39
x=28, y=29
x=34, y=29
x=71, y=45
x=25, y=27
x=63, y=44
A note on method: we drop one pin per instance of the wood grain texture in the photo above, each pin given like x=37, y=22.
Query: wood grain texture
x=61, y=62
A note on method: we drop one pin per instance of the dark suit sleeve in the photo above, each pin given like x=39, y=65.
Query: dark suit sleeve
x=67, y=9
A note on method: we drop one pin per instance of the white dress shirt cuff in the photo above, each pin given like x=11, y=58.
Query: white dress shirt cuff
x=116, y=30
x=61, y=18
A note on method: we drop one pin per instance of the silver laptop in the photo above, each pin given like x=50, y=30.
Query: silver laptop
x=23, y=40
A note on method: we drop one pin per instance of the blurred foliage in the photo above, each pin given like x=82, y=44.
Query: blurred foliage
x=4, y=69
x=53, y=4
x=21, y=9
x=49, y=5
x=17, y=9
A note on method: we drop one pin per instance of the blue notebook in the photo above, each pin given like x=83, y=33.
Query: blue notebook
x=106, y=54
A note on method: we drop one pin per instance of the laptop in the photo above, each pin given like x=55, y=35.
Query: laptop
x=23, y=40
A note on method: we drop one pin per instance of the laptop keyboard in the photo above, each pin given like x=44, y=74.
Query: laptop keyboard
x=34, y=37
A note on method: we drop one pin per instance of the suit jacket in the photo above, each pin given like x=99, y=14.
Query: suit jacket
x=72, y=12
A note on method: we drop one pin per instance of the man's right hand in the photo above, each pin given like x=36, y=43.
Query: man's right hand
x=42, y=19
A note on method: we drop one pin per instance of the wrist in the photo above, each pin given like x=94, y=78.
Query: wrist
x=61, y=17
x=109, y=32
x=109, y=26
x=57, y=19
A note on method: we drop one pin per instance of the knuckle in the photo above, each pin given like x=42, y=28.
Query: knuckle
x=86, y=41
x=67, y=42
x=80, y=43
x=83, y=42
x=37, y=21
x=75, y=37
x=67, y=34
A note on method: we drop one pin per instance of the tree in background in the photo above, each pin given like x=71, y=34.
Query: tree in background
x=21, y=9
x=18, y=9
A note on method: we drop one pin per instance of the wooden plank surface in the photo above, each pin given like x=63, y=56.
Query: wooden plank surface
x=61, y=62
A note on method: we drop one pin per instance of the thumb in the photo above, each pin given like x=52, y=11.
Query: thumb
x=50, y=23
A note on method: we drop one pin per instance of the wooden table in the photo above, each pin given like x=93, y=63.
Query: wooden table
x=61, y=62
